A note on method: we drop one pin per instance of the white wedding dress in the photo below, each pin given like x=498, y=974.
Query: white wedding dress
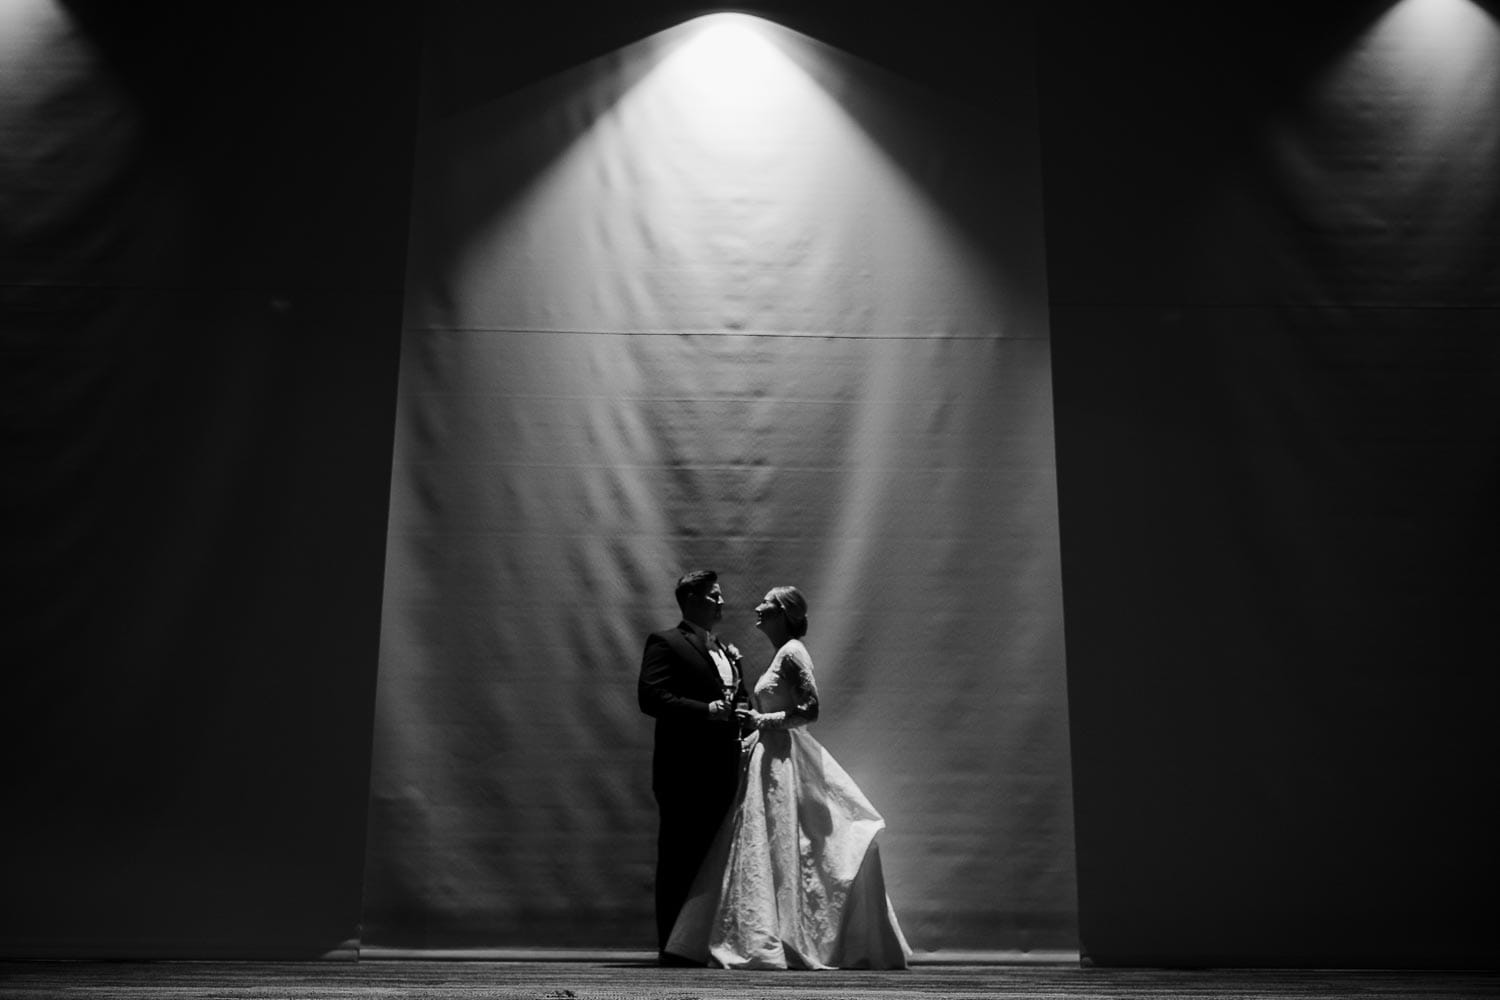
x=793, y=879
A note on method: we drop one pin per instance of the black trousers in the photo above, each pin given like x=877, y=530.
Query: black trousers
x=690, y=817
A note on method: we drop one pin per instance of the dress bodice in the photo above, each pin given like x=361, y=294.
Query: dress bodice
x=787, y=685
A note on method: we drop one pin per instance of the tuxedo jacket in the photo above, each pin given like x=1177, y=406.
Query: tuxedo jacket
x=678, y=682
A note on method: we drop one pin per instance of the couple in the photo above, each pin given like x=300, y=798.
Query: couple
x=766, y=855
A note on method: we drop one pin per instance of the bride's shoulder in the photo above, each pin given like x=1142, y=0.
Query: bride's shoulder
x=797, y=651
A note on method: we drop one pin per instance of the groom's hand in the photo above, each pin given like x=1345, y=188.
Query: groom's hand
x=718, y=710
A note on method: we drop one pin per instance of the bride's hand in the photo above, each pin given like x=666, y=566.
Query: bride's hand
x=748, y=714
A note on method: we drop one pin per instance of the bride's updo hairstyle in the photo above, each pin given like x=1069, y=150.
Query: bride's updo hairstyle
x=794, y=606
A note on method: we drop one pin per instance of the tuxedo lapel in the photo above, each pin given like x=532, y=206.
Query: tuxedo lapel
x=697, y=643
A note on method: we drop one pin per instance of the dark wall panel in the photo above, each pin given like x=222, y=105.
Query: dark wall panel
x=207, y=218
x=1274, y=298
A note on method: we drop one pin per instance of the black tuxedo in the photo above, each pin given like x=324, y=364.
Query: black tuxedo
x=695, y=767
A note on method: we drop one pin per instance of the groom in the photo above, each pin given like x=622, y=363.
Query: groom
x=689, y=682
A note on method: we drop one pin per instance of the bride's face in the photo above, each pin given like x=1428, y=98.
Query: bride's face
x=765, y=610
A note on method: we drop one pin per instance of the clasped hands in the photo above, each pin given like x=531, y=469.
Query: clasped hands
x=719, y=710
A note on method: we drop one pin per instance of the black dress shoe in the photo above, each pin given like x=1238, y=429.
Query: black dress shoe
x=670, y=960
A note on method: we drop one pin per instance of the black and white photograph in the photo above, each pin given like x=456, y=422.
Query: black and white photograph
x=807, y=499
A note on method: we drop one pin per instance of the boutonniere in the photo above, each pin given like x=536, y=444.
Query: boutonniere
x=733, y=654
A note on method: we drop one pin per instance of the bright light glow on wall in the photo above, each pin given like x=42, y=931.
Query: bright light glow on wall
x=728, y=174
x=30, y=32
x=1437, y=48
x=730, y=61
x=1439, y=23
x=1432, y=68
x=734, y=86
x=1393, y=148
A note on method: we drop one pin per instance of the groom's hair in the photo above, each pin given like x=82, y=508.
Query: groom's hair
x=693, y=584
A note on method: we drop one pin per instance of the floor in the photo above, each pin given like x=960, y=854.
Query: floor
x=451, y=980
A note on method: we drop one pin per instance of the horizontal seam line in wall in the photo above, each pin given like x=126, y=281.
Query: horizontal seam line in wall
x=1280, y=306
x=277, y=288
x=614, y=398
x=795, y=335
x=701, y=467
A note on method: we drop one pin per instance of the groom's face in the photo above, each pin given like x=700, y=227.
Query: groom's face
x=710, y=605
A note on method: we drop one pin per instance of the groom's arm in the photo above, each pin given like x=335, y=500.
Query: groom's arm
x=654, y=690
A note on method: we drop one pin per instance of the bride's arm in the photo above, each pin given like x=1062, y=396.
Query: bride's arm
x=796, y=669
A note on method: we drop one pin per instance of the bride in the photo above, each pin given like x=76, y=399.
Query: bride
x=794, y=878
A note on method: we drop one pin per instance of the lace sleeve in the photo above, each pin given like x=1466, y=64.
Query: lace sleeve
x=796, y=670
